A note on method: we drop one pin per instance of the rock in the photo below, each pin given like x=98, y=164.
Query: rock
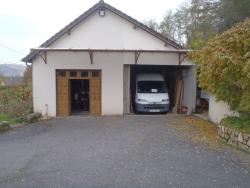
x=33, y=117
x=227, y=136
x=4, y=125
x=248, y=142
x=243, y=146
x=240, y=138
x=245, y=137
x=236, y=133
x=222, y=129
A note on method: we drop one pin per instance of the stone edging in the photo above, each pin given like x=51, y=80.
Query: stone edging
x=4, y=126
x=234, y=137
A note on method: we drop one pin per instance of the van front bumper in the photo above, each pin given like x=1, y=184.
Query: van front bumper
x=152, y=108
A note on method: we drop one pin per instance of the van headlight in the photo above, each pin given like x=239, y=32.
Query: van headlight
x=142, y=100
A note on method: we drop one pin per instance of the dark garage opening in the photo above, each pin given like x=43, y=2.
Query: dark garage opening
x=170, y=77
x=79, y=96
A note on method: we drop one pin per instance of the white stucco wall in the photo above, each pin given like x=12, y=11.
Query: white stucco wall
x=109, y=32
x=218, y=110
x=190, y=86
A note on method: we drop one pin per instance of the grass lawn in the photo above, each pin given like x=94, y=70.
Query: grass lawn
x=5, y=117
x=240, y=123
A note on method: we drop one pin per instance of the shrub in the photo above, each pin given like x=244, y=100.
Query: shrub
x=16, y=101
x=240, y=123
x=224, y=67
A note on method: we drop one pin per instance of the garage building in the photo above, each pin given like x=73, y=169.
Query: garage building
x=99, y=54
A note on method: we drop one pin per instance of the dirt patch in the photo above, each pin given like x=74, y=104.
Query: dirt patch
x=204, y=134
x=198, y=131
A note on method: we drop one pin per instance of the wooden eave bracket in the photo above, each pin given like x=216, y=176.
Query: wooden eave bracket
x=44, y=56
x=91, y=56
x=137, y=55
x=181, y=59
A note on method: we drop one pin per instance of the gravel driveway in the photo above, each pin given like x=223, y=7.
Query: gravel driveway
x=117, y=151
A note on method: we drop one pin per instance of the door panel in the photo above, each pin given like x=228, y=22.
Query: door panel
x=63, y=96
x=95, y=96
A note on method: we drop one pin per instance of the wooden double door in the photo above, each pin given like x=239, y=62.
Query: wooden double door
x=63, y=90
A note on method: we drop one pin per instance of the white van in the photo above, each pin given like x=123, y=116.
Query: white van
x=151, y=93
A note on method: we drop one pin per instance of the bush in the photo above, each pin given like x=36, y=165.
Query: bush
x=224, y=67
x=240, y=123
x=16, y=101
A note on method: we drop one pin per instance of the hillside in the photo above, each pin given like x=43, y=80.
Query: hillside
x=12, y=70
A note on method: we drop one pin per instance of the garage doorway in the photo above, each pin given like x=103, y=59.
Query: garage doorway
x=169, y=73
x=78, y=92
x=79, y=96
x=180, y=82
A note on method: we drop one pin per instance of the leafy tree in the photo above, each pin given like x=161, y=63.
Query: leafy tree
x=201, y=16
x=173, y=25
x=197, y=21
x=151, y=23
x=27, y=75
x=224, y=67
x=231, y=12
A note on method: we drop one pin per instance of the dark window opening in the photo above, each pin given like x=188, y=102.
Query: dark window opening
x=79, y=96
x=61, y=73
x=84, y=73
x=151, y=87
x=95, y=73
x=73, y=73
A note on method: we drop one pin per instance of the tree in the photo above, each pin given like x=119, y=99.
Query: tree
x=173, y=25
x=231, y=12
x=151, y=23
x=192, y=24
x=224, y=67
x=27, y=75
x=201, y=16
x=197, y=21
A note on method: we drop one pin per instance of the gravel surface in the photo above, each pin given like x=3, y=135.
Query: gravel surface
x=116, y=151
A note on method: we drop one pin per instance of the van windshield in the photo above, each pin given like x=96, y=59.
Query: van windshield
x=151, y=87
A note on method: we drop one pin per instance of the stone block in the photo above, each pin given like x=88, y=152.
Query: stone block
x=4, y=125
x=248, y=143
x=226, y=136
x=33, y=117
x=222, y=129
x=243, y=146
x=245, y=136
x=240, y=138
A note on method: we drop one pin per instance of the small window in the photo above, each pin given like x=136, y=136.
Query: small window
x=73, y=73
x=95, y=73
x=84, y=73
x=61, y=73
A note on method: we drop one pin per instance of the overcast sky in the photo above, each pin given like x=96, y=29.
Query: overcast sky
x=28, y=23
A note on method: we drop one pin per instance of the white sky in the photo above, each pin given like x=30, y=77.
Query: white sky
x=28, y=23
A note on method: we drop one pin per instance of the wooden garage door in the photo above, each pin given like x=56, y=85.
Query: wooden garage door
x=95, y=93
x=62, y=93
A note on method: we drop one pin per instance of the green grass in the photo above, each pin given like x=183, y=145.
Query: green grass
x=239, y=123
x=5, y=117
